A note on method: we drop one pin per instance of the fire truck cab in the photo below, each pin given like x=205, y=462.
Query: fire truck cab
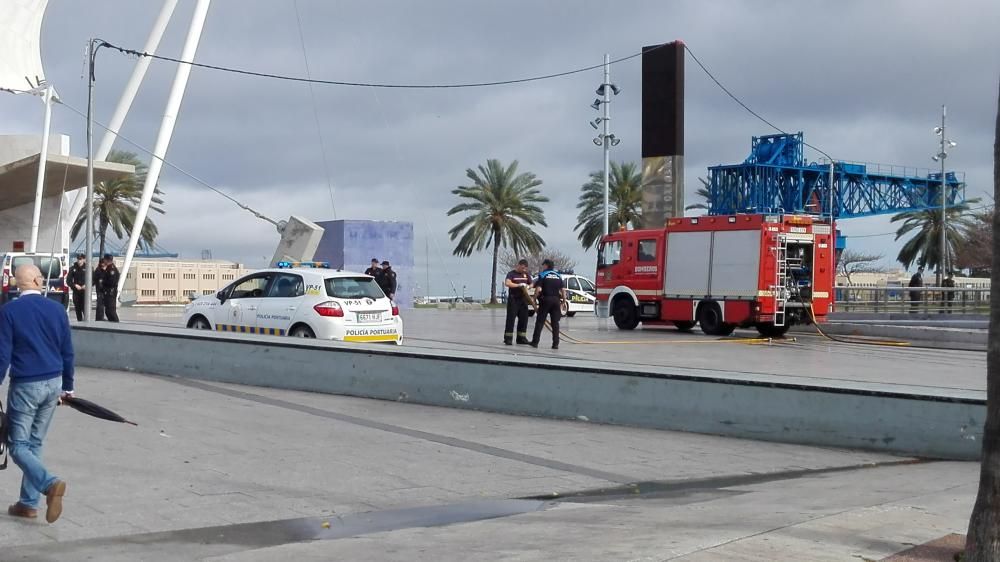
x=722, y=272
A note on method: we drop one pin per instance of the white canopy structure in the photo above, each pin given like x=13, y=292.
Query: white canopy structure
x=20, y=34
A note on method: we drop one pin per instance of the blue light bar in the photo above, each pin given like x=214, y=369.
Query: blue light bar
x=312, y=264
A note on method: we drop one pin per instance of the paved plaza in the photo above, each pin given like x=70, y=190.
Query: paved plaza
x=236, y=473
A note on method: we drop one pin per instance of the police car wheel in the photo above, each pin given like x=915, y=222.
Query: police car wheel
x=302, y=332
x=199, y=323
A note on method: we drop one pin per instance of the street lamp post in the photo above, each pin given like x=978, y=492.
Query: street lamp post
x=606, y=139
x=940, y=157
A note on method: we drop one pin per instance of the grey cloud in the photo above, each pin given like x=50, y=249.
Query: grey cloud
x=863, y=80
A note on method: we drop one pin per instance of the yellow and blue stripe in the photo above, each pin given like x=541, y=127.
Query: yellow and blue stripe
x=249, y=330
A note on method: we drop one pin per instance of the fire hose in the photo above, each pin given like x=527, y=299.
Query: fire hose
x=749, y=341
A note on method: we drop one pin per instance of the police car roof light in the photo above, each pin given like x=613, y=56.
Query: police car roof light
x=313, y=264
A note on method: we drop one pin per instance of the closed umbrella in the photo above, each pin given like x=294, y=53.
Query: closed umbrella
x=92, y=409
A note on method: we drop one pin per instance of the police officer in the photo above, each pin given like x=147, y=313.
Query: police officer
x=517, y=303
x=387, y=280
x=106, y=286
x=77, y=281
x=550, y=295
x=375, y=271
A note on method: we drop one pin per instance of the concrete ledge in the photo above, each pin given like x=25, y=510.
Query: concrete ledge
x=920, y=423
x=963, y=334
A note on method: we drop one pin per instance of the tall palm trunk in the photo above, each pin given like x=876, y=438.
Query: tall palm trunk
x=496, y=255
x=983, y=541
x=102, y=234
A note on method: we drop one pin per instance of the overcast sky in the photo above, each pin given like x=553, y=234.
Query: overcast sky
x=864, y=80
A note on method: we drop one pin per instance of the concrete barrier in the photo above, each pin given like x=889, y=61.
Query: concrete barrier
x=946, y=425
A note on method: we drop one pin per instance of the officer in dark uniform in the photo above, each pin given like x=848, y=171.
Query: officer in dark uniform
x=549, y=295
x=916, y=281
x=387, y=280
x=517, y=303
x=375, y=271
x=106, y=286
x=949, y=294
x=77, y=281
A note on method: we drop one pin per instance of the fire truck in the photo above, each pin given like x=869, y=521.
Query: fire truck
x=721, y=272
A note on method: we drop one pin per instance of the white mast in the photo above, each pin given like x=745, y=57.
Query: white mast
x=124, y=104
x=166, y=130
x=48, y=96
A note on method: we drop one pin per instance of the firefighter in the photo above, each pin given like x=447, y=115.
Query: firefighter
x=517, y=303
x=77, y=281
x=550, y=295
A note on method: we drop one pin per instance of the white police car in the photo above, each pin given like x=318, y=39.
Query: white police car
x=581, y=295
x=301, y=299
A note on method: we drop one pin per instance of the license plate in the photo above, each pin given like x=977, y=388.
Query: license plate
x=369, y=316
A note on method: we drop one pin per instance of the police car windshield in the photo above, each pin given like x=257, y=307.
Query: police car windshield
x=353, y=288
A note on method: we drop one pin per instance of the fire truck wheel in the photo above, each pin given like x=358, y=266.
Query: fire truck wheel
x=710, y=318
x=684, y=325
x=769, y=330
x=625, y=314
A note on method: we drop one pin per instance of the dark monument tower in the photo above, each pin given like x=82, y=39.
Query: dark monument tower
x=662, y=133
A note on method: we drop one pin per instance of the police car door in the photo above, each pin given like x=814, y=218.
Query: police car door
x=277, y=308
x=239, y=312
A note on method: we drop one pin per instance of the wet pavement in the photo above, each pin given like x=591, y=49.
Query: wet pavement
x=804, y=356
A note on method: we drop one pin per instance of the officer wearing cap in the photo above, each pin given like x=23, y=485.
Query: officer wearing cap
x=375, y=271
x=517, y=303
x=387, y=280
x=77, y=281
x=106, y=278
x=550, y=294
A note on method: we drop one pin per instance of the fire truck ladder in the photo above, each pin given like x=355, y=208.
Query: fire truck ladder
x=780, y=278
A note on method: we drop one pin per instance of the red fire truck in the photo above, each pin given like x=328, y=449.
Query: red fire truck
x=722, y=272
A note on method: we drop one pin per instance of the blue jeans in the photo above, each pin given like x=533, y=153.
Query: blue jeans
x=30, y=407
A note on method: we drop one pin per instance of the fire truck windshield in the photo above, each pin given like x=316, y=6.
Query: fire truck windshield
x=609, y=253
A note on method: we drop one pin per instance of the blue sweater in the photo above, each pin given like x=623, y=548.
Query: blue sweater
x=35, y=341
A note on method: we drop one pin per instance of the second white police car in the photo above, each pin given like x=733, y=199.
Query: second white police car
x=305, y=300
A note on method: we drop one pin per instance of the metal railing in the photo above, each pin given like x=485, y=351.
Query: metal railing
x=916, y=300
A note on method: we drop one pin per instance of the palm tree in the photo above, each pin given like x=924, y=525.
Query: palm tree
x=502, y=210
x=705, y=195
x=925, y=247
x=624, y=202
x=116, y=204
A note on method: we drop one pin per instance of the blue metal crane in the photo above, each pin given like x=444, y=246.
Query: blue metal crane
x=776, y=178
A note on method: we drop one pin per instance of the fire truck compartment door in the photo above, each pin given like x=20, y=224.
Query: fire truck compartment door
x=687, y=267
x=735, y=263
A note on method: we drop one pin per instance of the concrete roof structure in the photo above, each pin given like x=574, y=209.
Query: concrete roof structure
x=18, y=178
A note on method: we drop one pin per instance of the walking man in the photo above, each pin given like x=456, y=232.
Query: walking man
x=517, y=303
x=550, y=295
x=35, y=343
x=77, y=281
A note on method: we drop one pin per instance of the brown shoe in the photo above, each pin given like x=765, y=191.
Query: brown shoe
x=53, y=500
x=18, y=510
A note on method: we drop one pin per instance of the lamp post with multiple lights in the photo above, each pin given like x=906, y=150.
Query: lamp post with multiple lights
x=940, y=157
x=605, y=139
